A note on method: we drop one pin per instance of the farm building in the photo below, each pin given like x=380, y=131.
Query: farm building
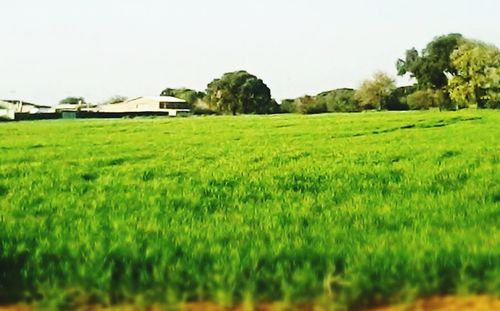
x=7, y=111
x=10, y=108
x=171, y=105
x=20, y=106
x=74, y=107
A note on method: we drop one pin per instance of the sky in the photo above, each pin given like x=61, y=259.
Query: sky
x=52, y=49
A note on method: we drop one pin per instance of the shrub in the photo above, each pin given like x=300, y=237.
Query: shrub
x=202, y=108
x=421, y=100
x=399, y=98
x=309, y=105
x=339, y=100
x=288, y=106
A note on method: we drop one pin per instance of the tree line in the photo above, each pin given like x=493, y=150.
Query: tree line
x=450, y=73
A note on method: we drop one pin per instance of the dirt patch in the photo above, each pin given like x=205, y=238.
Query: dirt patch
x=450, y=303
x=265, y=307
x=15, y=308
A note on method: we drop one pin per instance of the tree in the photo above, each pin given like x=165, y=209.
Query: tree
x=192, y=97
x=73, y=101
x=433, y=66
x=114, y=100
x=478, y=75
x=374, y=93
x=240, y=92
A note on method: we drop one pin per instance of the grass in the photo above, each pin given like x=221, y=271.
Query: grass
x=343, y=211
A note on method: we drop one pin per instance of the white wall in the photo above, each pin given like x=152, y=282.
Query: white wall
x=7, y=114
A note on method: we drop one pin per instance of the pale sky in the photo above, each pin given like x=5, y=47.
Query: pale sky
x=52, y=49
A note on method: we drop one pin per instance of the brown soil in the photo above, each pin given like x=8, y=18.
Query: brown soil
x=450, y=303
x=15, y=308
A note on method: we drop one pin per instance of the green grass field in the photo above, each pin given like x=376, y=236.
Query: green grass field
x=336, y=210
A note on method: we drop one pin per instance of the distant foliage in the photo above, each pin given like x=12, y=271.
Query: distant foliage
x=398, y=100
x=192, y=97
x=310, y=105
x=375, y=93
x=73, y=101
x=114, y=100
x=288, y=106
x=195, y=99
x=453, y=72
x=478, y=75
x=433, y=65
x=339, y=100
x=421, y=100
x=240, y=92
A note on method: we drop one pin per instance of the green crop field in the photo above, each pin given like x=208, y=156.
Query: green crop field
x=339, y=210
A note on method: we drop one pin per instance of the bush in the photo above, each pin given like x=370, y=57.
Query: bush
x=190, y=96
x=201, y=108
x=421, y=100
x=340, y=100
x=443, y=101
x=309, y=105
x=288, y=106
x=493, y=104
x=399, y=98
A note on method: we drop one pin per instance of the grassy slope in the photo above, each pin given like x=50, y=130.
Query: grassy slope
x=356, y=209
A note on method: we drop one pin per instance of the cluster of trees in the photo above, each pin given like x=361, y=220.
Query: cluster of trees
x=451, y=72
x=339, y=100
x=234, y=93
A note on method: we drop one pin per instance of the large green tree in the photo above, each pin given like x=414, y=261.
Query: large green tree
x=478, y=75
x=433, y=65
x=240, y=92
x=374, y=93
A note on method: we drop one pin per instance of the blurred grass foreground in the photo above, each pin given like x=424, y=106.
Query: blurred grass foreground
x=346, y=211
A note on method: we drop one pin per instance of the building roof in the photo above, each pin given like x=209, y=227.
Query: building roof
x=67, y=106
x=5, y=104
x=15, y=101
x=168, y=99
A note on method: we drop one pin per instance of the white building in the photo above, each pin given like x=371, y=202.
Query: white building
x=10, y=107
x=80, y=106
x=171, y=105
x=66, y=107
x=26, y=107
x=7, y=110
